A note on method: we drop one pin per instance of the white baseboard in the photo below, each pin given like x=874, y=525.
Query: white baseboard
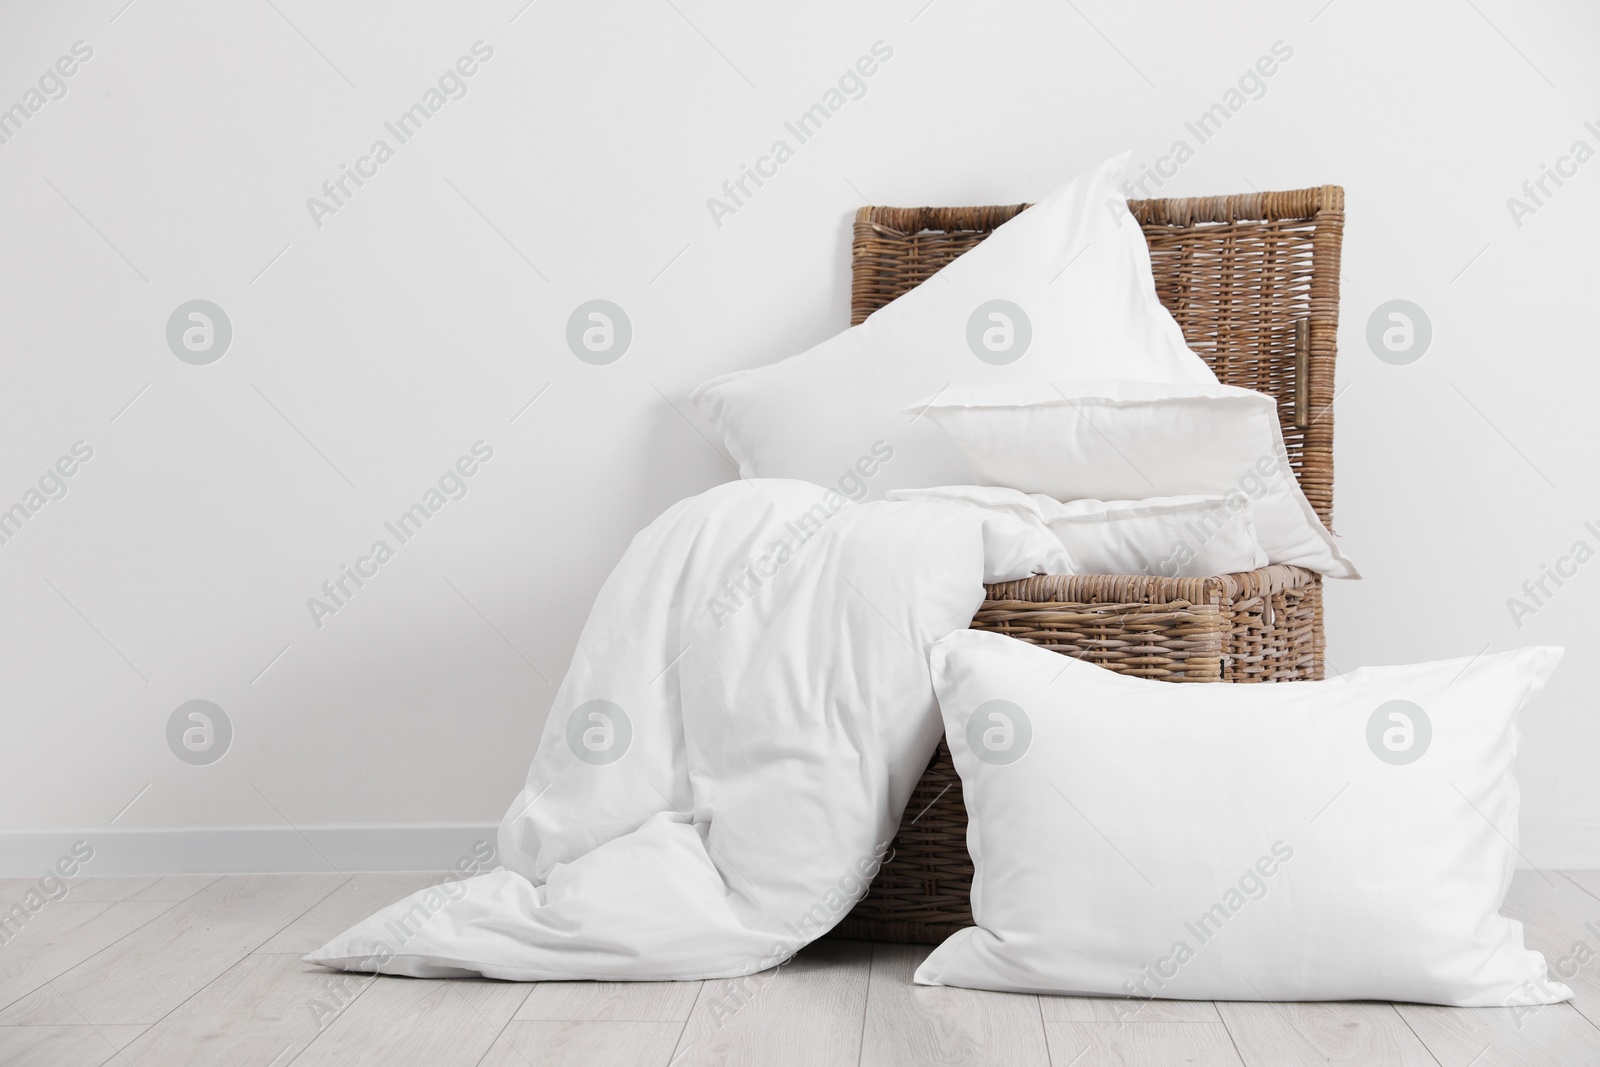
x=246, y=849
x=1549, y=844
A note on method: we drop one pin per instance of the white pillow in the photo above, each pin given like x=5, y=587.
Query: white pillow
x=1117, y=440
x=1349, y=839
x=1175, y=537
x=1079, y=299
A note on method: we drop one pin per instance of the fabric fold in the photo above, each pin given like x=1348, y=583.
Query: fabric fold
x=728, y=757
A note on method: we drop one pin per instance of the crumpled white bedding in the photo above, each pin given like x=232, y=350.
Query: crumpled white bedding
x=723, y=768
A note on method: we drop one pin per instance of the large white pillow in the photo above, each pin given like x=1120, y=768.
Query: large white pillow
x=1122, y=439
x=1064, y=290
x=1175, y=536
x=1341, y=840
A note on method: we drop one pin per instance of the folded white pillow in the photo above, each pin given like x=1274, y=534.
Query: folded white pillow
x=1124, y=439
x=1350, y=839
x=1064, y=290
x=1175, y=537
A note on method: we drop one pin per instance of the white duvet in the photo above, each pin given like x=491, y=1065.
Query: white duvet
x=729, y=755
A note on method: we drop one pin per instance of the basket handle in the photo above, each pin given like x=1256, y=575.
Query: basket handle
x=1302, y=373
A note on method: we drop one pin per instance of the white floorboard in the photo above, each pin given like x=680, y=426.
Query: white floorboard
x=908, y=1025
x=192, y=970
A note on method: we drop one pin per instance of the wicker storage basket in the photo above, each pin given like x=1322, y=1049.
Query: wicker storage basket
x=1253, y=281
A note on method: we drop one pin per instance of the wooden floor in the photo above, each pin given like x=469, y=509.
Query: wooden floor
x=206, y=970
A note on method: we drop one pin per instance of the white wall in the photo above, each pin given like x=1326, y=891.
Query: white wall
x=372, y=351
